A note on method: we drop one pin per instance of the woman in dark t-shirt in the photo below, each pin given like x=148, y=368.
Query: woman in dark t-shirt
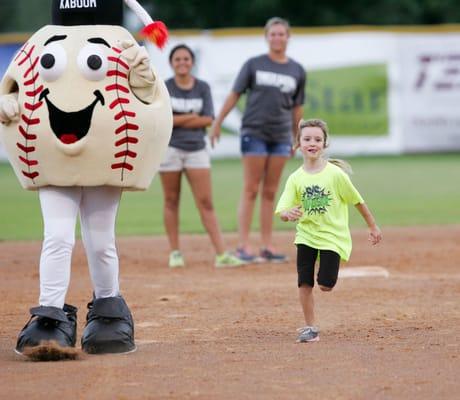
x=275, y=87
x=192, y=112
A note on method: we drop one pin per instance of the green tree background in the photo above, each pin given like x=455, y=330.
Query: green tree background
x=29, y=15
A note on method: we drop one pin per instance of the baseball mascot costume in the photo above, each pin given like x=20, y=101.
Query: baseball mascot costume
x=84, y=117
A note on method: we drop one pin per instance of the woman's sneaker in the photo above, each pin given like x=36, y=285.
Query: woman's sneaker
x=308, y=334
x=227, y=260
x=246, y=257
x=270, y=256
x=176, y=260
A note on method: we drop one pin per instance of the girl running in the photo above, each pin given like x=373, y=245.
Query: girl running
x=316, y=196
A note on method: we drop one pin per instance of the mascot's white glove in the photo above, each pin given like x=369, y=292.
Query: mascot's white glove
x=141, y=76
x=9, y=108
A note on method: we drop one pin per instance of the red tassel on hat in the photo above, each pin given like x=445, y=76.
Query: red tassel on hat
x=156, y=32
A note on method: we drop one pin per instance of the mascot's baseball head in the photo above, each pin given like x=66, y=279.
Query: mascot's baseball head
x=80, y=103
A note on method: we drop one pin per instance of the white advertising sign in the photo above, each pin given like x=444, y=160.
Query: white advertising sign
x=431, y=92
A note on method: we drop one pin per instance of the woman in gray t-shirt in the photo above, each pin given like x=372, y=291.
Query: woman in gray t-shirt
x=275, y=87
x=192, y=112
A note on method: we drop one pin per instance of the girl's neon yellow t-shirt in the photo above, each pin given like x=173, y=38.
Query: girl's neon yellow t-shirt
x=324, y=197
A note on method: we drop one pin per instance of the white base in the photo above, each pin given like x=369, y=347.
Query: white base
x=363, y=272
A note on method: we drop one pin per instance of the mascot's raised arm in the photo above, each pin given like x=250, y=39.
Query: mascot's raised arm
x=84, y=116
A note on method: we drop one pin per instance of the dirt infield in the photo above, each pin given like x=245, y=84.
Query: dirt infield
x=230, y=334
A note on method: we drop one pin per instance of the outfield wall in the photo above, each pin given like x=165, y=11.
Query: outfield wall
x=382, y=91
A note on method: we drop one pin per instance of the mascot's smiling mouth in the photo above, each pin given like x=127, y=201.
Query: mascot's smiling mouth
x=70, y=127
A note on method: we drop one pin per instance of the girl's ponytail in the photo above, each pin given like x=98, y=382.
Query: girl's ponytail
x=341, y=164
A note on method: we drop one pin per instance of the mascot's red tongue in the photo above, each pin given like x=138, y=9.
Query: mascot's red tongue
x=68, y=138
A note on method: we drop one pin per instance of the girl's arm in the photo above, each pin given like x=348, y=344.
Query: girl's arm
x=229, y=103
x=291, y=214
x=375, y=235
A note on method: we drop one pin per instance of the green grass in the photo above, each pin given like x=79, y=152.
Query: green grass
x=408, y=190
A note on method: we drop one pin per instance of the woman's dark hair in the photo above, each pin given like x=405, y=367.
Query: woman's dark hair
x=181, y=47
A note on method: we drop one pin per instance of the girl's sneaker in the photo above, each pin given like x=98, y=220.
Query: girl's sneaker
x=269, y=256
x=308, y=334
x=176, y=260
x=226, y=259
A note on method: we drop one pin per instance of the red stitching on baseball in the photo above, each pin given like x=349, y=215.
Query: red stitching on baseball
x=27, y=136
x=121, y=87
x=124, y=114
x=31, y=81
x=127, y=127
x=117, y=102
x=30, y=175
x=126, y=153
x=28, y=162
x=21, y=51
x=118, y=61
x=123, y=165
x=23, y=60
x=30, y=106
x=25, y=149
x=114, y=72
x=30, y=121
x=33, y=93
x=33, y=107
x=27, y=56
x=127, y=139
x=31, y=68
x=117, y=87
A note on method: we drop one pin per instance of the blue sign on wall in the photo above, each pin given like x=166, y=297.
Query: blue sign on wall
x=7, y=51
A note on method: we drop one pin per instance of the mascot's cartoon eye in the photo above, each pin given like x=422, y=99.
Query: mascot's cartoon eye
x=47, y=61
x=53, y=62
x=92, y=62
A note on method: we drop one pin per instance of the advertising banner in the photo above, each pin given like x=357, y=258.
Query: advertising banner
x=7, y=51
x=348, y=84
x=430, y=79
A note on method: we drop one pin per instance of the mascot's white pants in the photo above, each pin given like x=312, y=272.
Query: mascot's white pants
x=98, y=210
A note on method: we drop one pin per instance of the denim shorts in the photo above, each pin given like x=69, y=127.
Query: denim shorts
x=254, y=146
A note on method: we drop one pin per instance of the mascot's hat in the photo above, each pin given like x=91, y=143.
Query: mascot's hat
x=106, y=12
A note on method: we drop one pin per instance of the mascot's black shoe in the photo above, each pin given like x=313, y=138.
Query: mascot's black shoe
x=109, y=327
x=50, y=334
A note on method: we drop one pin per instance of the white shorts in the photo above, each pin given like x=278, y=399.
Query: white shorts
x=177, y=160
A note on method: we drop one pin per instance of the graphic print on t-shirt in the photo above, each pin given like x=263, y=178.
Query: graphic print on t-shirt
x=315, y=200
x=181, y=105
x=285, y=83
